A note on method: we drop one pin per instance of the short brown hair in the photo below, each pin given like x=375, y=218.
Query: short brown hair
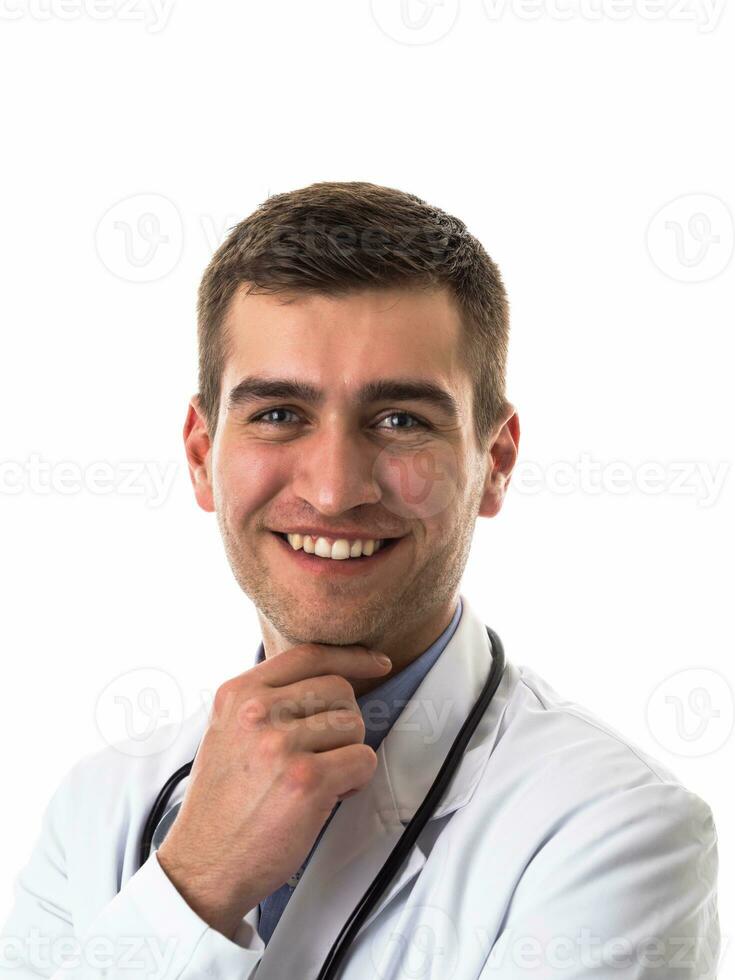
x=339, y=237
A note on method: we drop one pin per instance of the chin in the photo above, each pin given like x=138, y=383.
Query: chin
x=316, y=632
x=357, y=625
x=335, y=639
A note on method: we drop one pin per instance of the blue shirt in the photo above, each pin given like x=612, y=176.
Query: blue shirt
x=380, y=709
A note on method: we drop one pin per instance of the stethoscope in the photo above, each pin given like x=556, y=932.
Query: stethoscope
x=408, y=838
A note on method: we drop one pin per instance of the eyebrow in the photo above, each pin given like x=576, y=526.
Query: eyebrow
x=256, y=388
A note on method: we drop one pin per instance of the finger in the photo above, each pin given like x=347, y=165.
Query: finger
x=315, y=659
x=327, y=730
x=312, y=696
x=346, y=769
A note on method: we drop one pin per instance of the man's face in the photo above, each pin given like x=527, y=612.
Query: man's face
x=391, y=467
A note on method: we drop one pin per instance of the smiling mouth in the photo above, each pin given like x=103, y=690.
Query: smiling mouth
x=387, y=545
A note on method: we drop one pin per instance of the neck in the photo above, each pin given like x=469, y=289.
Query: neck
x=403, y=645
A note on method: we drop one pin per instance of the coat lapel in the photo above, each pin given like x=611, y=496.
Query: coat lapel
x=367, y=826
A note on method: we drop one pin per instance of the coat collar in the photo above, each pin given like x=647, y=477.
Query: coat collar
x=367, y=826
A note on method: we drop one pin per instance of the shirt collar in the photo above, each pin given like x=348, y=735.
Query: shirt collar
x=381, y=707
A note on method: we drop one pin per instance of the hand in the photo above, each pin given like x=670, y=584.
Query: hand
x=284, y=744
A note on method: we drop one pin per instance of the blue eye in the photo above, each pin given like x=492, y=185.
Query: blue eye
x=393, y=415
x=261, y=420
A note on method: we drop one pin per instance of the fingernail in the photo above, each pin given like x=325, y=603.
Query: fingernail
x=381, y=659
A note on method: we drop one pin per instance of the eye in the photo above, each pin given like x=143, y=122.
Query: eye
x=394, y=415
x=260, y=419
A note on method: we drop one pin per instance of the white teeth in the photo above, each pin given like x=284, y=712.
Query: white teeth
x=323, y=548
x=339, y=550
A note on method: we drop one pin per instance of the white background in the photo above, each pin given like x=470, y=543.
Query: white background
x=589, y=146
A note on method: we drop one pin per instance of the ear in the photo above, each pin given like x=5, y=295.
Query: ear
x=197, y=446
x=502, y=456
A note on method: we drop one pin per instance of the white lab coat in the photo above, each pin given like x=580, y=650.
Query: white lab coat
x=559, y=850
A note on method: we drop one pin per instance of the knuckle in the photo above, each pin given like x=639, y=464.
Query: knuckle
x=252, y=713
x=273, y=743
x=302, y=775
x=349, y=720
x=225, y=699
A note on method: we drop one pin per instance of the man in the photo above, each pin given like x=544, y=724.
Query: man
x=350, y=426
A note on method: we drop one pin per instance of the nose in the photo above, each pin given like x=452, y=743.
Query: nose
x=335, y=470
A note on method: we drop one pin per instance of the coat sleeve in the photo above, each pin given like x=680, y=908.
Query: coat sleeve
x=625, y=889
x=146, y=931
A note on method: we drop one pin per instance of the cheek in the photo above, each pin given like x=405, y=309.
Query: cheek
x=246, y=481
x=420, y=484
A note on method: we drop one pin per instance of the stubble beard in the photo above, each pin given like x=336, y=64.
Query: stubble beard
x=398, y=603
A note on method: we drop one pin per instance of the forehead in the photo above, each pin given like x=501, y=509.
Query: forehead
x=363, y=335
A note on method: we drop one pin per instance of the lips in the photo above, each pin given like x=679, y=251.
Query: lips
x=330, y=567
x=386, y=545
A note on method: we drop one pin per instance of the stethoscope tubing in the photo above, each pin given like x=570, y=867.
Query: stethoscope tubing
x=408, y=838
